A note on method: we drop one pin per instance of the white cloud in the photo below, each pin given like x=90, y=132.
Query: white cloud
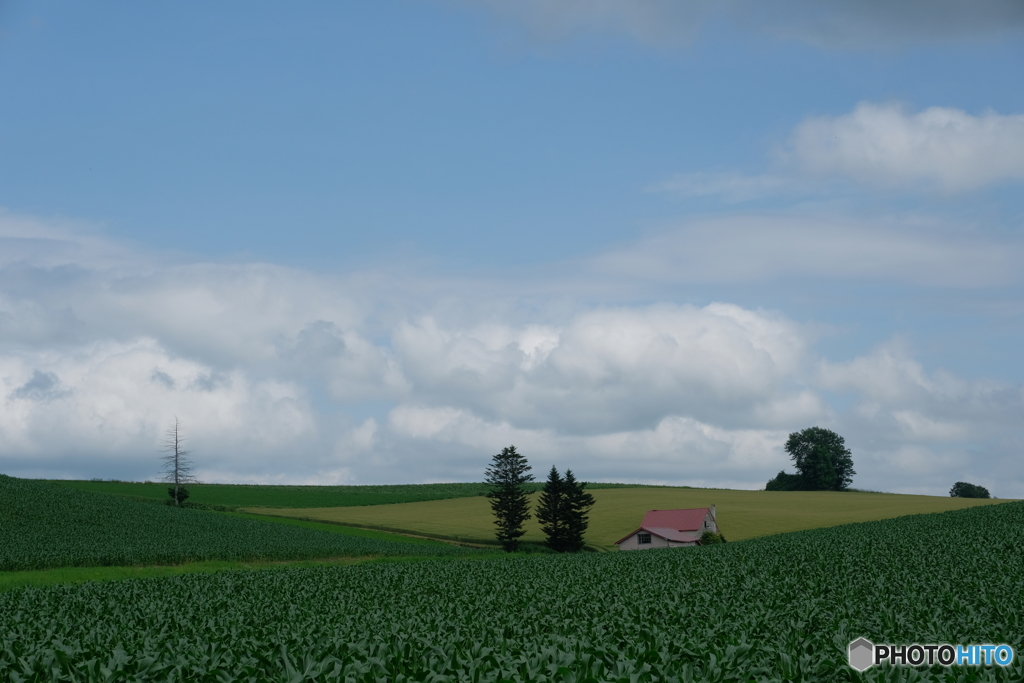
x=112, y=401
x=928, y=429
x=891, y=379
x=282, y=375
x=677, y=450
x=888, y=146
x=775, y=246
x=878, y=146
x=610, y=368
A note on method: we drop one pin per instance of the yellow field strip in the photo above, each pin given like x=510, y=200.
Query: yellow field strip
x=617, y=512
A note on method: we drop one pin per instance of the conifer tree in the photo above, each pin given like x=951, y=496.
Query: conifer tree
x=509, y=496
x=562, y=511
x=551, y=511
x=577, y=504
x=177, y=464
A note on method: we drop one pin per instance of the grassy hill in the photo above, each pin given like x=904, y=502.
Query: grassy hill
x=46, y=525
x=244, y=495
x=618, y=511
x=770, y=609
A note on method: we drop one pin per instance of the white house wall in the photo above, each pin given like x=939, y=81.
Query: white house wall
x=656, y=542
x=631, y=543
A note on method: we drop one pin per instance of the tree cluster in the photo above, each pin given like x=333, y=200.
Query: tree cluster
x=962, y=489
x=822, y=461
x=562, y=510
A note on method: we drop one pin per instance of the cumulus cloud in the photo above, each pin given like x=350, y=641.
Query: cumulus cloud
x=676, y=450
x=610, y=369
x=890, y=378
x=880, y=147
x=112, y=401
x=888, y=146
x=929, y=429
x=826, y=23
x=287, y=376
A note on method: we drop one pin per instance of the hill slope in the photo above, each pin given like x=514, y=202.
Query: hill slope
x=261, y=495
x=776, y=608
x=44, y=525
x=618, y=511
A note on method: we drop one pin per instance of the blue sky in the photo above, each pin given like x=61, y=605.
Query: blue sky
x=376, y=242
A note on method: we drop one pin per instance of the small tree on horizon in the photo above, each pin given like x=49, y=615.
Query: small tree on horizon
x=962, y=489
x=177, y=465
x=822, y=460
x=510, y=499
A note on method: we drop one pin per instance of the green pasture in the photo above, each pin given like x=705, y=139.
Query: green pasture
x=260, y=495
x=618, y=511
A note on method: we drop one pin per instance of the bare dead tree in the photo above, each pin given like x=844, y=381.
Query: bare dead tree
x=177, y=465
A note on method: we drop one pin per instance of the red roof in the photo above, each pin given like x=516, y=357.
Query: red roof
x=674, y=525
x=680, y=520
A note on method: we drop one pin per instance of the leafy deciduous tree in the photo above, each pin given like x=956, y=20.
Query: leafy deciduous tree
x=962, y=489
x=509, y=497
x=822, y=460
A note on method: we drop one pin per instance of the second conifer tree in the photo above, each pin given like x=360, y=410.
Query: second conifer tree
x=562, y=511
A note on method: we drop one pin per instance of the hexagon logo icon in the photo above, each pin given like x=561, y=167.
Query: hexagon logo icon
x=862, y=654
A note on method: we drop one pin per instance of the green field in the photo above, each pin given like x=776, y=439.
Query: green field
x=618, y=511
x=779, y=608
x=241, y=495
x=43, y=525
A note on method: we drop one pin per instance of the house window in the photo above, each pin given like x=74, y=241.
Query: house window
x=643, y=538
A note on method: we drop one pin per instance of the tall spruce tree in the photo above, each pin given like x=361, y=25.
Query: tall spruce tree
x=551, y=511
x=509, y=496
x=562, y=511
x=577, y=504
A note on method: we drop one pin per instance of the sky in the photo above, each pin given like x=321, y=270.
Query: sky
x=364, y=243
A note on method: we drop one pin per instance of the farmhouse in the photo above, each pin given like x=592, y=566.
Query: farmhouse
x=670, y=529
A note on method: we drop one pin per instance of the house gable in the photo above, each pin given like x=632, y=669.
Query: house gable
x=671, y=528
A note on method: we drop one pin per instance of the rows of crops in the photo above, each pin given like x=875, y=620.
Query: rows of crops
x=44, y=525
x=238, y=495
x=776, y=608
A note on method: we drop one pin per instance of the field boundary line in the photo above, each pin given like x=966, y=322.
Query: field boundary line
x=452, y=539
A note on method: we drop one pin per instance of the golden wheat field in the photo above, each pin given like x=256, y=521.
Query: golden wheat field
x=617, y=512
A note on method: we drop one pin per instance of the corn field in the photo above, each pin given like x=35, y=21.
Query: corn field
x=43, y=525
x=770, y=609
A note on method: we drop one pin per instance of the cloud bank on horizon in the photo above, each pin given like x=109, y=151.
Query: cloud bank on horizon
x=870, y=282
x=102, y=346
